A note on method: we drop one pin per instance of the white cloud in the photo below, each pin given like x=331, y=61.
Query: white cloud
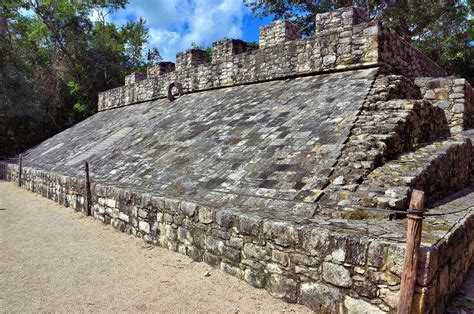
x=175, y=24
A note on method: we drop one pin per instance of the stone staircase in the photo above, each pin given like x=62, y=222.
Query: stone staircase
x=398, y=133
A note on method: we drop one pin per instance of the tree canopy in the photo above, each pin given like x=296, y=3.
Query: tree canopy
x=56, y=56
x=442, y=29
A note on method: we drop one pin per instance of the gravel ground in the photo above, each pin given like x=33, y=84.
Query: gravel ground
x=53, y=259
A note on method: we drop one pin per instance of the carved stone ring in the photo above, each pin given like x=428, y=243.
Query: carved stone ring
x=170, y=94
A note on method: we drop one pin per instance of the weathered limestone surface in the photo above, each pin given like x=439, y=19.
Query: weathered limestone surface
x=265, y=178
x=245, y=145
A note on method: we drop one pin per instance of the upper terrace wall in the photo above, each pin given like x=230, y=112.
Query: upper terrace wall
x=344, y=39
x=455, y=96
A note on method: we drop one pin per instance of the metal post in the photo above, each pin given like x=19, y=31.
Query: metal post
x=414, y=226
x=87, y=191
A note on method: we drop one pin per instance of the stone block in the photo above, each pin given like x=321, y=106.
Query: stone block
x=224, y=217
x=340, y=18
x=205, y=215
x=282, y=287
x=232, y=270
x=256, y=278
x=134, y=78
x=337, y=275
x=215, y=245
x=124, y=217
x=258, y=252
x=211, y=259
x=317, y=242
x=281, y=233
x=144, y=226
x=188, y=208
x=195, y=253
x=395, y=258
x=277, y=33
x=189, y=59
x=249, y=225
x=280, y=257
x=160, y=69
x=227, y=48
x=184, y=236
x=320, y=297
x=358, y=306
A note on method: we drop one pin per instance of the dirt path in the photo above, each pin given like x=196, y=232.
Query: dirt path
x=53, y=259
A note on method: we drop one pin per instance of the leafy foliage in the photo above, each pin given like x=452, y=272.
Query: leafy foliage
x=442, y=29
x=56, y=59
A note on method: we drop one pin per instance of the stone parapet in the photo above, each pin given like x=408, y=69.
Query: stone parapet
x=190, y=59
x=278, y=32
x=288, y=59
x=400, y=57
x=134, y=78
x=360, y=45
x=227, y=48
x=340, y=20
x=160, y=69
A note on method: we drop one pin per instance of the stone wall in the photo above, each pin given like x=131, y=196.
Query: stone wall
x=134, y=77
x=402, y=58
x=455, y=96
x=340, y=20
x=345, y=40
x=278, y=32
x=317, y=263
x=160, y=69
x=442, y=268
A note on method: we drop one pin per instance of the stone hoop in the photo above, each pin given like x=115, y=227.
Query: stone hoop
x=170, y=94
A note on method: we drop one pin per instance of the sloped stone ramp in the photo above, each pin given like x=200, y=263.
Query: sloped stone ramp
x=275, y=140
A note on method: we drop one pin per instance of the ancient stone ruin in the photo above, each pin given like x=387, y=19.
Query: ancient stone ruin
x=283, y=166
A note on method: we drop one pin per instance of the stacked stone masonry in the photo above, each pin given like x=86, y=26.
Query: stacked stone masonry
x=455, y=96
x=265, y=179
x=329, y=265
x=346, y=40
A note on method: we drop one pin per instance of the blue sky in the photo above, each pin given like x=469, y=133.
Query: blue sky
x=175, y=24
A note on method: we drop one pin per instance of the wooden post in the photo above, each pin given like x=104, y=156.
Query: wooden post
x=20, y=161
x=414, y=225
x=87, y=191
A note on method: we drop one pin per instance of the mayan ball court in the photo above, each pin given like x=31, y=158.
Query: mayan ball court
x=334, y=171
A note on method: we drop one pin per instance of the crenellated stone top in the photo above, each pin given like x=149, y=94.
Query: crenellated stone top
x=278, y=32
x=344, y=39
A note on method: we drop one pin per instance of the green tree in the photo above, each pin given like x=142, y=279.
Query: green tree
x=442, y=29
x=55, y=59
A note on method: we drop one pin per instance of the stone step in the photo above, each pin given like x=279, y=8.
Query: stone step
x=439, y=169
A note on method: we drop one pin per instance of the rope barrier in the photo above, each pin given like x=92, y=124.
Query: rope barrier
x=424, y=210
